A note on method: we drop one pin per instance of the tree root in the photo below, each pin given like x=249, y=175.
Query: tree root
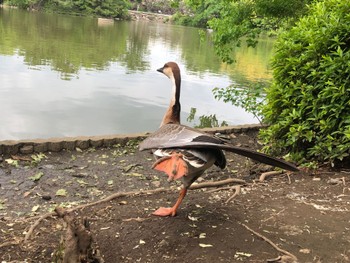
x=290, y=257
x=237, y=192
x=263, y=176
x=107, y=199
x=36, y=223
x=78, y=244
x=218, y=183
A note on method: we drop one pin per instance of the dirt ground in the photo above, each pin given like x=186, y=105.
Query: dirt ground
x=303, y=214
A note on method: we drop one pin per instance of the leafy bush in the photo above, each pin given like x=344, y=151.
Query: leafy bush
x=308, y=103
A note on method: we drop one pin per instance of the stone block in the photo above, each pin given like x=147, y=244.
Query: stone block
x=40, y=147
x=96, y=143
x=108, y=142
x=11, y=149
x=69, y=145
x=27, y=149
x=55, y=146
x=83, y=144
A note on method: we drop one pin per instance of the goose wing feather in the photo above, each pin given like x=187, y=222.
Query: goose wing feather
x=180, y=136
x=169, y=135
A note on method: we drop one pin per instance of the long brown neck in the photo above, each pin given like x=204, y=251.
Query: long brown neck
x=172, y=115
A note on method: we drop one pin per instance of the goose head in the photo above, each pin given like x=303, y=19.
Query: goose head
x=172, y=71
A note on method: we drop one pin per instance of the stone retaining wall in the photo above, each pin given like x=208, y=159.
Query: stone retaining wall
x=85, y=142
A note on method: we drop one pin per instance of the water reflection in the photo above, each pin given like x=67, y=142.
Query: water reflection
x=66, y=76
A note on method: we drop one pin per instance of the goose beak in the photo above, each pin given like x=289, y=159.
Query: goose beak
x=160, y=70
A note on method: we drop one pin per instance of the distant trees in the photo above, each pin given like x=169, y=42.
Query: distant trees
x=101, y=8
x=233, y=20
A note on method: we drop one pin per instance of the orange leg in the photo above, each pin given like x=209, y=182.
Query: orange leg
x=171, y=211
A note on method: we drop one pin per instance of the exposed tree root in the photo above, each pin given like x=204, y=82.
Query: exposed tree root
x=107, y=199
x=36, y=223
x=218, y=183
x=78, y=244
x=290, y=257
x=263, y=176
x=237, y=192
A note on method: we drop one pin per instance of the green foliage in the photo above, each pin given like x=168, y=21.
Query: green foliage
x=308, y=105
x=232, y=21
x=249, y=98
x=203, y=12
x=205, y=121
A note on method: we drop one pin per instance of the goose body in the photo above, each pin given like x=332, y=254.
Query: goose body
x=185, y=153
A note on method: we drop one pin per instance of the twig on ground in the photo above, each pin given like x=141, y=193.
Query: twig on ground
x=273, y=215
x=267, y=174
x=219, y=189
x=294, y=258
x=237, y=192
x=10, y=243
x=137, y=219
x=36, y=223
x=218, y=183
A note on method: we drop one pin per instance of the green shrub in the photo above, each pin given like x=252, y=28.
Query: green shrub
x=308, y=103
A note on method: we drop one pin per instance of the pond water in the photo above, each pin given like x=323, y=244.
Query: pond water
x=69, y=76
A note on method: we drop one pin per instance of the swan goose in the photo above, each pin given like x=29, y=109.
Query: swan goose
x=184, y=152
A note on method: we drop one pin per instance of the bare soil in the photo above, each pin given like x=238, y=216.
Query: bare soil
x=304, y=214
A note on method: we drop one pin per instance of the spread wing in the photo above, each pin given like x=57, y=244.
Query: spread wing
x=180, y=136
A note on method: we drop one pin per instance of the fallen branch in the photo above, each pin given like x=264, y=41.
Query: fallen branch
x=294, y=258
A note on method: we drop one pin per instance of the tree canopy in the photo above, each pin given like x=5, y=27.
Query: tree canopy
x=231, y=21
